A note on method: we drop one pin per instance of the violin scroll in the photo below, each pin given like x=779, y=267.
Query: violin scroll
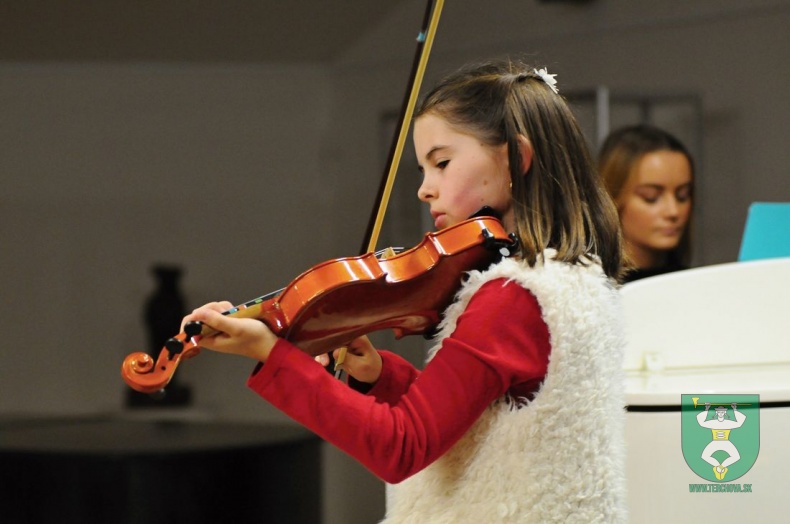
x=143, y=374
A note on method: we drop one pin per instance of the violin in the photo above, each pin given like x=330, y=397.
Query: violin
x=336, y=301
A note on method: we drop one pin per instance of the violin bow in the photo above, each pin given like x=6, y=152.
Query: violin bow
x=425, y=39
x=433, y=11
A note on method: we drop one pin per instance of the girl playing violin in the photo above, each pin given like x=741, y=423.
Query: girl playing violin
x=517, y=415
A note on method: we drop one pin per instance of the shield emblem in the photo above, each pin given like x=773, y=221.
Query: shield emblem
x=720, y=434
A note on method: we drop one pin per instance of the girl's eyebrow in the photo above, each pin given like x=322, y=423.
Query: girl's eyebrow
x=662, y=186
x=434, y=150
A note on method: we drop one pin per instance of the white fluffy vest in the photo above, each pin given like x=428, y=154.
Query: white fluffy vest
x=558, y=458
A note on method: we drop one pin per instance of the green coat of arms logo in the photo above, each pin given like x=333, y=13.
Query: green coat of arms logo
x=720, y=434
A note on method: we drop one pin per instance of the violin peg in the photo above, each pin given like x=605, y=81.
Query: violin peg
x=193, y=329
x=174, y=346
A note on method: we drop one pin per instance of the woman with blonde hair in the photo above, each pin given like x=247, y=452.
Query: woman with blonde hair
x=650, y=175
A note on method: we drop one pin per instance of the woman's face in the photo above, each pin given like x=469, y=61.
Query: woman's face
x=655, y=206
x=460, y=173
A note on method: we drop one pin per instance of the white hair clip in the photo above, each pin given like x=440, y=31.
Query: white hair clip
x=548, y=78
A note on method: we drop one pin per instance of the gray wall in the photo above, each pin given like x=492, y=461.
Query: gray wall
x=247, y=173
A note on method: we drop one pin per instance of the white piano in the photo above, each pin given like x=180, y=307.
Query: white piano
x=722, y=329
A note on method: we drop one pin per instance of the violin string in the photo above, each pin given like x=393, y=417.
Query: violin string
x=394, y=250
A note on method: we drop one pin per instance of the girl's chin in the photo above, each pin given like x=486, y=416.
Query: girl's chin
x=665, y=245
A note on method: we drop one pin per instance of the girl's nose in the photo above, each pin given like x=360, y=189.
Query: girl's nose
x=672, y=206
x=425, y=193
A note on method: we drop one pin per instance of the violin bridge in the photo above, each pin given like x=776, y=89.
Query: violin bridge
x=388, y=252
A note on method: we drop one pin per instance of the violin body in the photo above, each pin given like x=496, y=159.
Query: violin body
x=334, y=302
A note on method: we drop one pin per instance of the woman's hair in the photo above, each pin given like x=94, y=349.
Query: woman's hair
x=560, y=202
x=619, y=159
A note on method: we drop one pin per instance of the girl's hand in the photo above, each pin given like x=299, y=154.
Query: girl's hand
x=238, y=336
x=362, y=361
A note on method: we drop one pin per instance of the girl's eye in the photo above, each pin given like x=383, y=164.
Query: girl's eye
x=683, y=194
x=650, y=196
x=442, y=164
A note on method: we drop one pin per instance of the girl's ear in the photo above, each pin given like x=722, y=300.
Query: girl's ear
x=525, y=148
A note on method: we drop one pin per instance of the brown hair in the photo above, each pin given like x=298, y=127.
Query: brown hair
x=619, y=159
x=560, y=203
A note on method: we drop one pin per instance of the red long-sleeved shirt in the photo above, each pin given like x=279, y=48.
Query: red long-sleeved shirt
x=410, y=418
